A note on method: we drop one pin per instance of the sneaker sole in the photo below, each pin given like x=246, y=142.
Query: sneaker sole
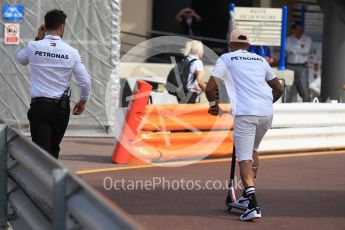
x=251, y=216
x=258, y=216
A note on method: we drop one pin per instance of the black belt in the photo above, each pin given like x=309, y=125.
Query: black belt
x=298, y=64
x=45, y=100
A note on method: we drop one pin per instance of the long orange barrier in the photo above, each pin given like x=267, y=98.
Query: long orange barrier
x=184, y=117
x=182, y=109
x=201, y=122
x=166, y=132
x=190, y=138
x=178, y=152
x=168, y=146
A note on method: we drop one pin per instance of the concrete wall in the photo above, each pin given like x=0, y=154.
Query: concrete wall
x=136, y=18
x=262, y=3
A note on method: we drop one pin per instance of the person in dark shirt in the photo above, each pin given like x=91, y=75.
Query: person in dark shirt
x=189, y=21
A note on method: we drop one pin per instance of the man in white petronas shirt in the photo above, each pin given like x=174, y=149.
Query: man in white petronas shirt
x=52, y=63
x=252, y=88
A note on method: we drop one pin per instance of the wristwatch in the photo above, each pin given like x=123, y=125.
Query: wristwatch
x=213, y=103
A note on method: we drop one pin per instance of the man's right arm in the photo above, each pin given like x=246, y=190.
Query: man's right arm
x=210, y=92
x=23, y=55
x=211, y=87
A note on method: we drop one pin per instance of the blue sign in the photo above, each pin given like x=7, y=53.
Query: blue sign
x=13, y=13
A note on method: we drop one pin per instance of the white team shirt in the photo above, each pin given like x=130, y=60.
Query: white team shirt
x=298, y=49
x=52, y=62
x=197, y=65
x=245, y=75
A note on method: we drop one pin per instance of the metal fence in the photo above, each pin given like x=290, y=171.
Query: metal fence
x=45, y=194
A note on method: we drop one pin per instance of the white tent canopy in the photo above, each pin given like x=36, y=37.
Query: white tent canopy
x=93, y=27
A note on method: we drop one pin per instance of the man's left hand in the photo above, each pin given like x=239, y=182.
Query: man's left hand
x=79, y=108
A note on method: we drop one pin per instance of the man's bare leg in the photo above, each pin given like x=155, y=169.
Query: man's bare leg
x=249, y=170
x=255, y=165
x=247, y=176
x=247, y=173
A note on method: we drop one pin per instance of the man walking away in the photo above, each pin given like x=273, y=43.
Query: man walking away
x=252, y=88
x=52, y=63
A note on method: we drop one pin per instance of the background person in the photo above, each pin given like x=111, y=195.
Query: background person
x=265, y=52
x=189, y=21
x=52, y=63
x=194, y=50
x=298, y=47
x=252, y=88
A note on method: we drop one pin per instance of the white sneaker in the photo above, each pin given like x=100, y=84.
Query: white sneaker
x=251, y=214
x=241, y=203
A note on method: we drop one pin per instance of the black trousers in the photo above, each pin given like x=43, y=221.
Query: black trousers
x=48, y=125
x=189, y=99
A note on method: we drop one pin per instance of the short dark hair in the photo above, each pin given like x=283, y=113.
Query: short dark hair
x=54, y=18
x=240, y=45
x=296, y=24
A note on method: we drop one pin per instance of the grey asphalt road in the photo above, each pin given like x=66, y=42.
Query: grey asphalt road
x=295, y=191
